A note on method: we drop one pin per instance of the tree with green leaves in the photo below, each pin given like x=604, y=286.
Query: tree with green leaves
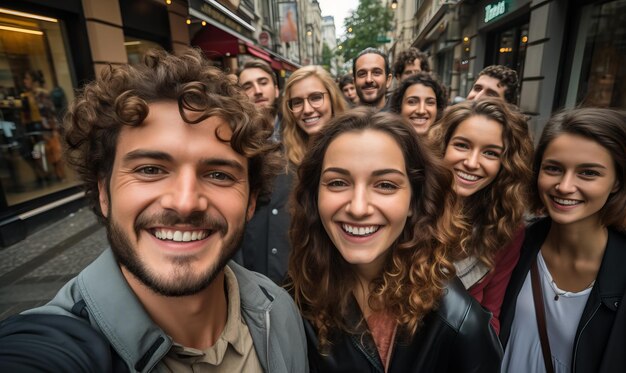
x=327, y=57
x=367, y=26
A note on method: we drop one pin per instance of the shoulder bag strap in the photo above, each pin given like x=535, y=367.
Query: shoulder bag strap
x=541, y=316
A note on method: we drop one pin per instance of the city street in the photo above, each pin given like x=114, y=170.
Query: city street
x=33, y=270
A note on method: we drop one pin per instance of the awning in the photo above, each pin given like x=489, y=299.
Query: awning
x=289, y=67
x=264, y=55
x=214, y=41
x=258, y=52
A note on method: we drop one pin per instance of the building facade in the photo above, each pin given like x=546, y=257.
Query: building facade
x=566, y=53
x=49, y=49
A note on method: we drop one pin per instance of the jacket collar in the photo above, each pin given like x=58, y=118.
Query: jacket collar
x=361, y=337
x=611, y=280
x=111, y=304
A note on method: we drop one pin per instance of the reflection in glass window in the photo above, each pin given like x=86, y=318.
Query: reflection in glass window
x=599, y=64
x=35, y=86
x=136, y=48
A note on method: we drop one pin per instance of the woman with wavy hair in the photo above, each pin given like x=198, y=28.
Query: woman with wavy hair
x=311, y=98
x=372, y=230
x=487, y=146
x=421, y=100
x=564, y=308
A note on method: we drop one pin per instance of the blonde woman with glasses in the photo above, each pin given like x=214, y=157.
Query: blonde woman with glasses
x=310, y=100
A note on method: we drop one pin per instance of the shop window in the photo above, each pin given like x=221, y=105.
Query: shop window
x=136, y=48
x=35, y=86
x=598, y=75
x=511, y=47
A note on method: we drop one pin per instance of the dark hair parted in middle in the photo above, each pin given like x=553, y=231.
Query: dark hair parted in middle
x=418, y=264
x=427, y=80
x=495, y=212
x=607, y=128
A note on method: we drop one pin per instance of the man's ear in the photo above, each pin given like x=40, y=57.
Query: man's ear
x=251, y=206
x=389, y=80
x=277, y=93
x=103, y=197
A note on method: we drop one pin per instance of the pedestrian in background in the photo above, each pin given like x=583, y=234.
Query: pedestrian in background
x=372, y=78
x=310, y=100
x=496, y=81
x=410, y=62
x=564, y=308
x=486, y=145
x=259, y=82
x=421, y=100
x=346, y=85
x=372, y=230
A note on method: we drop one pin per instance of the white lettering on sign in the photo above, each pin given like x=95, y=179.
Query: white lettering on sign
x=495, y=10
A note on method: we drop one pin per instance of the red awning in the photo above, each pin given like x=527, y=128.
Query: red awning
x=258, y=52
x=289, y=67
x=276, y=65
x=214, y=41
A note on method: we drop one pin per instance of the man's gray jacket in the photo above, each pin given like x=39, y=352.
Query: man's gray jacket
x=101, y=294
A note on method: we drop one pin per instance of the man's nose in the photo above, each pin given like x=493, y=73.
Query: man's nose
x=184, y=194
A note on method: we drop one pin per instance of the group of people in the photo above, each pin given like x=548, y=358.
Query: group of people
x=398, y=235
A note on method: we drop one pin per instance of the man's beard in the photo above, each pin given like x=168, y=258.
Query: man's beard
x=373, y=102
x=183, y=281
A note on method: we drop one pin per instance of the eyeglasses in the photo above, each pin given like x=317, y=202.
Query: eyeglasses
x=315, y=99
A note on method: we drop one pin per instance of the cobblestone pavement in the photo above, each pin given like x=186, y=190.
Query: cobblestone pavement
x=33, y=270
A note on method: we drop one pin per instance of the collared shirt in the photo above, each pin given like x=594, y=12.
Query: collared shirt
x=232, y=352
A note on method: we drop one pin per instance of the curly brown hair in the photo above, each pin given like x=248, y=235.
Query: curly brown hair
x=507, y=77
x=495, y=212
x=427, y=80
x=121, y=97
x=606, y=127
x=294, y=138
x=418, y=265
x=408, y=56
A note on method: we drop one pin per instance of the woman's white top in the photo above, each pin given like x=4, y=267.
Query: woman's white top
x=523, y=351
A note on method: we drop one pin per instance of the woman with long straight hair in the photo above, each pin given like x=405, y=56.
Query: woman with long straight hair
x=563, y=310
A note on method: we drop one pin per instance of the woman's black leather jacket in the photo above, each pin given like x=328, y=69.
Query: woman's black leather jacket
x=456, y=337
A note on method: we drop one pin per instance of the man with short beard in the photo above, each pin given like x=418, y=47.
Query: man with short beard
x=261, y=86
x=372, y=78
x=173, y=156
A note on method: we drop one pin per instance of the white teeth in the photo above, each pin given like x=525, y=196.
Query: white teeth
x=360, y=231
x=466, y=176
x=566, y=202
x=311, y=120
x=179, y=236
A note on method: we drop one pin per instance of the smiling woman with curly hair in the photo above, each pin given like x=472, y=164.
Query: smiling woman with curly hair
x=487, y=146
x=372, y=231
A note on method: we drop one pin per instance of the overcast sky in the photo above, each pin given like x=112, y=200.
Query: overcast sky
x=339, y=9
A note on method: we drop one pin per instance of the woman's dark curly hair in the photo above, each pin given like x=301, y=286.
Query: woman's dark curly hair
x=121, y=97
x=427, y=80
x=496, y=212
x=418, y=265
x=604, y=126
